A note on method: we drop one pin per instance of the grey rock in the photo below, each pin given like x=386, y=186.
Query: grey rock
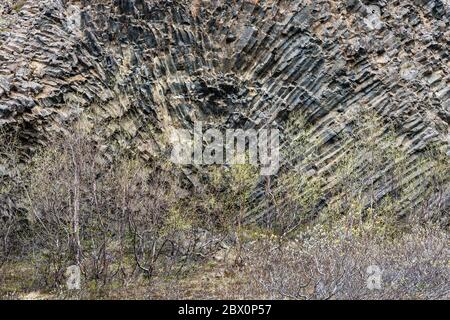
x=147, y=66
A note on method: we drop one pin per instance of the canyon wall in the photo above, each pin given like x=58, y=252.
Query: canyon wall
x=131, y=71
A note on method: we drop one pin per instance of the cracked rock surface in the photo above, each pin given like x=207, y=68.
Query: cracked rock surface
x=132, y=70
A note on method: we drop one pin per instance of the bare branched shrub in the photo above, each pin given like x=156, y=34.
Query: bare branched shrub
x=327, y=264
x=13, y=220
x=125, y=221
x=115, y=220
x=223, y=201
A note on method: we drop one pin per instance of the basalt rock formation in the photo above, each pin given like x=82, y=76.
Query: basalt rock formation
x=132, y=70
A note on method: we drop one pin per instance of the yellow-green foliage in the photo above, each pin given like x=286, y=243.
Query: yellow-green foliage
x=176, y=221
x=18, y=5
x=368, y=184
x=224, y=197
x=243, y=179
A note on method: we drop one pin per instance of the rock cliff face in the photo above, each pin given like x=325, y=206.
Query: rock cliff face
x=132, y=70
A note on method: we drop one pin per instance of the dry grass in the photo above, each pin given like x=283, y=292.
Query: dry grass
x=320, y=264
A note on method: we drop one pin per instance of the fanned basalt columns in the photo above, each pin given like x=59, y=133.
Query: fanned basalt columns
x=132, y=70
